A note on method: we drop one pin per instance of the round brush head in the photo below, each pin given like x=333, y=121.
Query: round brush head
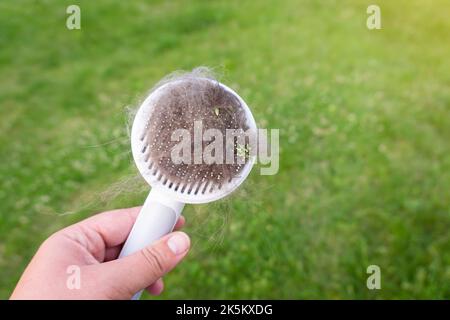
x=183, y=104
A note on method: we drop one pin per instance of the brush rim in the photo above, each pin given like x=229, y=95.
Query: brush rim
x=138, y=137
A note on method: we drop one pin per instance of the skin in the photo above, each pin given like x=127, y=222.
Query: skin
x=93, y=245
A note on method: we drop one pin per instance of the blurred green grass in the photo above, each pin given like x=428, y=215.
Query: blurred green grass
x=365, y=138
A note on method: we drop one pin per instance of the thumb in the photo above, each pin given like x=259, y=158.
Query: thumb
x=139, y=270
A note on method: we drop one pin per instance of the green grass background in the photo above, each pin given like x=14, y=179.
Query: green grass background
x=365, y=138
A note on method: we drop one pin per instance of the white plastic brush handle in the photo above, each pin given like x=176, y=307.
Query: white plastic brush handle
x=157, y=218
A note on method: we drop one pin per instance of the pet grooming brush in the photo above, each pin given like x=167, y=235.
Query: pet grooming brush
x=176, y=104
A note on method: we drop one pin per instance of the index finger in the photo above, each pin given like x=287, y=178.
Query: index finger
x=113, y=226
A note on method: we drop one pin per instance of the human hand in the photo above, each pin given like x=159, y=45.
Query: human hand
x=93, y=246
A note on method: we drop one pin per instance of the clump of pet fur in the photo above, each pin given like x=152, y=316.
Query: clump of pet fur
x=196, y=96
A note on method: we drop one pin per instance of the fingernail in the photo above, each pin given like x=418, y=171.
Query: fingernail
x=178, y=243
